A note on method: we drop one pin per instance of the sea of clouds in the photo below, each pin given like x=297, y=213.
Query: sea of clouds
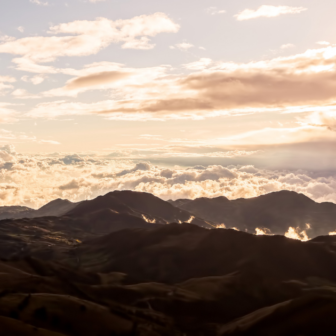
x=34, y=180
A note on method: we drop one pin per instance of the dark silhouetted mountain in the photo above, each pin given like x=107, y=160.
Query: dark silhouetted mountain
x=57, y=207
x=14, y=212
x=275, y=211
x=137, y=204
x=60, y=223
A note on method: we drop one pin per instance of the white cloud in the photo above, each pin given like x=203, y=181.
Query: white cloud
x=184, y=46
x=33, y=180
x=326, y=119
x=39, y=2
x=21, y=29
x=287, y=46
x=268, y=11
x=23, y=94
x=38, y=79
x=3, y=83
x=215, y=10
x=7, y=114
x=50, y=142
x=83, y=38
x=202, y=64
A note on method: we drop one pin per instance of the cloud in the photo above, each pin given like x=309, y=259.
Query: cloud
x=72, y=159
x=142, y=166
x=299, y=83
x=324, y=43
x=96, y=79
x=50, y=142
x=107, y=75
x=215, y=11
x=36, y=80
x=23, y=94
x=7, y=114
x=325, y=119
x=201, y=64
x=184, y=46
x=39, y=2
x=287, y=46
x=6, y=79
x=83, y=38
x=34, y=180
x=268, y=11
x=21, y=29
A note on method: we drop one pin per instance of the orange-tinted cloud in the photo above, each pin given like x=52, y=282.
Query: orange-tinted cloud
x=96, y=79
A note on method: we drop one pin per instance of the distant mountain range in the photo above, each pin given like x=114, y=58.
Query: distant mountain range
x=273, y=213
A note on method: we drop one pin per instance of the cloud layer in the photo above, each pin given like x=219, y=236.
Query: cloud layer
x=301, y=83
x=36, y=180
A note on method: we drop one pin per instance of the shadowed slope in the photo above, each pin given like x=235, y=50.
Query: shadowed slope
x=175, y=253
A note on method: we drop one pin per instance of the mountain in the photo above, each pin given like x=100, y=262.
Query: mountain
x=275, y=212
x=114, y=207
x=57, y=207
x=138, y=204
x=14, y=212
x=60, y=224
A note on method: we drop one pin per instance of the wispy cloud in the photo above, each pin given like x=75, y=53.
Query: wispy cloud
x=268, y=12
x=39, y=2
x=287, y=46
x=83, y=38
x=215, y=11
x=184, y=46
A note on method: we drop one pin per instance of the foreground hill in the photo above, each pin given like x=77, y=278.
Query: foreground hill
x=175, y=253
x=174, y=280
x=275, y=212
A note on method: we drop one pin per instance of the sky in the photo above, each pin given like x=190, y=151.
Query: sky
x=233, y=98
